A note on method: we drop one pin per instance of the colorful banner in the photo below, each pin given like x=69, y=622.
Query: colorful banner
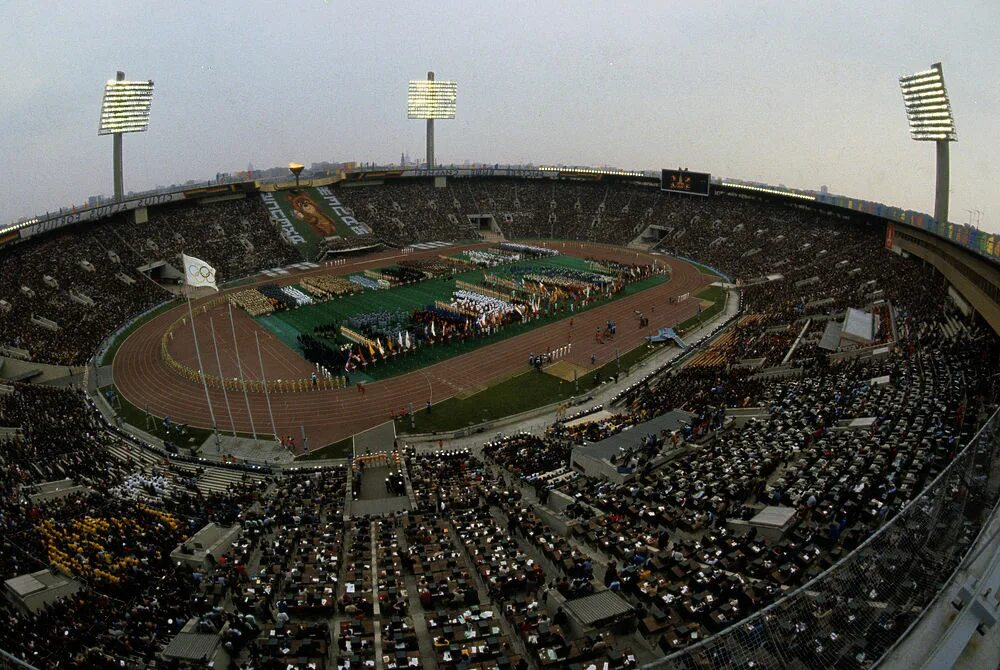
x=965, y=235
x=8, y=237
x=309, y=215
x=342, y=214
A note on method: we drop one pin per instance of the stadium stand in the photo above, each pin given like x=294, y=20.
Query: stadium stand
x=506, y=544
x=88, y=280
x=415, y=211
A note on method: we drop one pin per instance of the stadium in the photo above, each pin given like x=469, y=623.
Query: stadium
x=498, y=416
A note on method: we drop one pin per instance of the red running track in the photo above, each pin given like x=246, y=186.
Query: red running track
x=331, y=415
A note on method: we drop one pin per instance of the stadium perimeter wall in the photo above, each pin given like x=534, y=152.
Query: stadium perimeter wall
x=976, y=279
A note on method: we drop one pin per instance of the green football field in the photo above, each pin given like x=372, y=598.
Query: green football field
x=287, y=325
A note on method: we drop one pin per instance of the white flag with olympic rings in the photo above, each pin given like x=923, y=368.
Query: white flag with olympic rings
x=198, y=273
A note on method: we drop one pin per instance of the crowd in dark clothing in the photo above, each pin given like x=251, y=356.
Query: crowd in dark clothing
x=86, y=279
x=415, y=211
x=133, y=598
x=658, y=535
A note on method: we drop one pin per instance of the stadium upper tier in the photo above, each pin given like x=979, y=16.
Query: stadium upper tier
x=90, y=278
x=832, y=419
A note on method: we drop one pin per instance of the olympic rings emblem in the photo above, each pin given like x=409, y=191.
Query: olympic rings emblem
x=202, y=271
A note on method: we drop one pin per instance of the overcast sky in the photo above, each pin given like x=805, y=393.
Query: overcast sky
x=798, y=93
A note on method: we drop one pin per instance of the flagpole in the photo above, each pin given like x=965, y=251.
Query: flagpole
x=201, y=370
x=222, y=376
x=239, y=366
x=267, y=396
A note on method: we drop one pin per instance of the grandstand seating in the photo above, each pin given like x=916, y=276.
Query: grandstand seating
x=473, y=570
x=212, y=232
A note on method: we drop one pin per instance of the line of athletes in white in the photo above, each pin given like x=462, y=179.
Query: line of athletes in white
x=491, y=258
x=538, y=360
x=298, y=297
x=528, y=249
x=487, y=307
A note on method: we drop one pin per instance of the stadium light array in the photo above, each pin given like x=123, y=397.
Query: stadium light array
x=772, y=191
x=928, y=108
x=928, y=111
x=125, y=109
x=600, y=171
x=430, y=99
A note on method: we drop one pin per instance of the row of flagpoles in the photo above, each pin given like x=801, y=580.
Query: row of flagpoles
x=199, y=274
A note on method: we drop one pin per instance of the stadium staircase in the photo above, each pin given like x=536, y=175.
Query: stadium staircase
x=211, y=479
x=951, y=328
x=124, y=451
x=214, y=479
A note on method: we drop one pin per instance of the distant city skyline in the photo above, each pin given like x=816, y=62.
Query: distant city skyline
x=783, y=93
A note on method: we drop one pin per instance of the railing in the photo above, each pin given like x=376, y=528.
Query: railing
x=8, y=662
x=851, y=614
x=132, y=195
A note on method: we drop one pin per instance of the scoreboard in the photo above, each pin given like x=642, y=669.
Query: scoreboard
x=682, y=181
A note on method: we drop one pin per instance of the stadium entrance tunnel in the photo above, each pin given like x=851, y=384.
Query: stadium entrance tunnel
x=162, y=272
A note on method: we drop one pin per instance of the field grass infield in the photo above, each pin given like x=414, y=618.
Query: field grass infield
x=287, y=325
x=517, y=394
x=341, y=449
x=187, y=436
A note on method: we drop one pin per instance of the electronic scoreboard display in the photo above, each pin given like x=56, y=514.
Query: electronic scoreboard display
x=682, y=181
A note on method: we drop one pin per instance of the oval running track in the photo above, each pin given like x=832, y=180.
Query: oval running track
x=330, y=415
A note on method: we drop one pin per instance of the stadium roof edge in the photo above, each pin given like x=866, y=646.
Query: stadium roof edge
x=986, y=245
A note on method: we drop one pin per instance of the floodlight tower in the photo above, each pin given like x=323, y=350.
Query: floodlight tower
x=928, y=110
x=125, y=109
x=429, y=99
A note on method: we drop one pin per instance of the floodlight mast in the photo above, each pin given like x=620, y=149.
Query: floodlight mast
x=429, y=99
x=117, y=155
x=125, y=109
x=942, y=183
x=928, y=111
x=430, y=133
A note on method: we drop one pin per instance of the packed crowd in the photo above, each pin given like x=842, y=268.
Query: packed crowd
x=478, y=562
x=70, y=289
x=416, y=211
x=236, y=237
x=111, y=530
x=401, y=214
x=71, y=280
